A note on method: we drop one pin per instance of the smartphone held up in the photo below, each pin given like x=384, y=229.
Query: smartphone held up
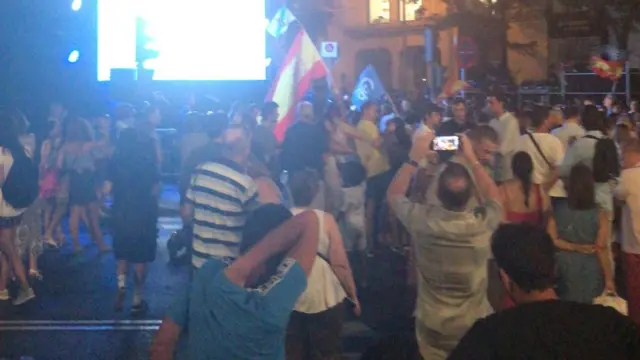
x=446, y=143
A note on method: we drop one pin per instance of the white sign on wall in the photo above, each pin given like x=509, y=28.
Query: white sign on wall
x=329, y=49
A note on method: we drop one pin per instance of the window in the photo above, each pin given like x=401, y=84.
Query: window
x=379, y=11
x=411, y=10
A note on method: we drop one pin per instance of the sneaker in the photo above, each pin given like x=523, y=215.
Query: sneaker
x=4, y=295
x=139, y=309
x=24, y=296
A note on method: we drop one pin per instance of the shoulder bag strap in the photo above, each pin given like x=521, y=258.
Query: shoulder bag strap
x=535, y=143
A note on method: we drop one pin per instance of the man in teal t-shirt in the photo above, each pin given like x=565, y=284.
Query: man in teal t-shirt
x=240, y=310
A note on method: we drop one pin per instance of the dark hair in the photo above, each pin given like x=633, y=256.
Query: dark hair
x=268, y=108
x=215, y=124
x=526, y=253
x=572, y=111
x=194, y=122
x=401, y=133
x=430, y=109
x=539, y=114
x=458, y=101
x=592, y=118
x=9, y=136
x=304, y=186
x=259, y=224
x=483, y=132
x=522, y=166
x=352, y=173
x=499, y=95
x=580, y=188
x=454, y=199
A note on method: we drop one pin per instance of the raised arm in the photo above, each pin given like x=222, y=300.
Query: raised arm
x=419, y=151
x=298, y=237
x=487, y=188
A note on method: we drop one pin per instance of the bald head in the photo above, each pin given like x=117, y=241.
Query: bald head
x=454, y=187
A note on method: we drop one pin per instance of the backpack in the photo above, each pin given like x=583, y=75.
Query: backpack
x=606, y=165
x=20, y=188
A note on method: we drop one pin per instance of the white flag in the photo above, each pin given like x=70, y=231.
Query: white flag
x=280, y=22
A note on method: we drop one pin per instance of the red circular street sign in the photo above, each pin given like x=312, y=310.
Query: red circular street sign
x=467, y=53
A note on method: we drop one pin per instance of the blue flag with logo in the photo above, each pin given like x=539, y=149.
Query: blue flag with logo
x=369, y=87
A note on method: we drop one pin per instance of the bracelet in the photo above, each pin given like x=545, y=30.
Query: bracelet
x=412, y=163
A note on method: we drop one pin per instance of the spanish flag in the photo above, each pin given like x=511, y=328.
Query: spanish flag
x=302, y=65
x=612, y=70
x=453, y=87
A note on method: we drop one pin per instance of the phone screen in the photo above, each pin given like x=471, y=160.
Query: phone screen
x=446, y=143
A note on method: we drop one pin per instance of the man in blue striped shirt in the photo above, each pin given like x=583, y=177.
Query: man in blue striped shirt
x=219, y=199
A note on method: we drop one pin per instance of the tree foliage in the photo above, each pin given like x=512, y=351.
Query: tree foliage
x=490, y=19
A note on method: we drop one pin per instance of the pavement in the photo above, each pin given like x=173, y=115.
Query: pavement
x=73, y=316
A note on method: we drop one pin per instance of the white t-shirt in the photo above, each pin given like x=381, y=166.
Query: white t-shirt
x=6, y=162
x=553, y=150
x=568, y=133
x=508, y=130
x=629, y=192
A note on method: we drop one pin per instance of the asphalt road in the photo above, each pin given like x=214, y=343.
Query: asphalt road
x=73, y=316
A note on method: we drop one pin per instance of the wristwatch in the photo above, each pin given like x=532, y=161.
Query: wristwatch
x=412, y=163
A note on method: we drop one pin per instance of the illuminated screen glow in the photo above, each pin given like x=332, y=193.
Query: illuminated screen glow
x=195, y=39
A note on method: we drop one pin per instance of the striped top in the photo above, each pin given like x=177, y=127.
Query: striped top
x=222, y=196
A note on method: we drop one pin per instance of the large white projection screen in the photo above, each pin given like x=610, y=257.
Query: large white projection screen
x=195, y=39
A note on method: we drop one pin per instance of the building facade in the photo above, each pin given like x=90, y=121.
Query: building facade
x=388, y=34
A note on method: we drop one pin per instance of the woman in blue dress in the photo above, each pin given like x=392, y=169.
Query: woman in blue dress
x=580, y=232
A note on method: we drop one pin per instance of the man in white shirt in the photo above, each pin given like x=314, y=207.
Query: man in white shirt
x=545, y=150
x=583, y=150
x=572, y=128
x=628, y=191
x=430, y=121
x=508, y=129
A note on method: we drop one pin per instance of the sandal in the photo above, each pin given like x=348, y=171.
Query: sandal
x=52, y=243
x=35, y=274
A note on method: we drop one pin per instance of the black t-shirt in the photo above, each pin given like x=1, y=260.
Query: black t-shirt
x=303, y=147
x=551, y=330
